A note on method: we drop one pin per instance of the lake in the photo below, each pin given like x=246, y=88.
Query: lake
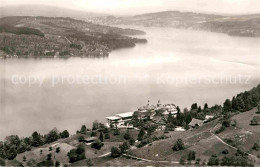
x=175, y=66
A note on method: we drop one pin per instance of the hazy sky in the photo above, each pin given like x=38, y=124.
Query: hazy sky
x=142, y=6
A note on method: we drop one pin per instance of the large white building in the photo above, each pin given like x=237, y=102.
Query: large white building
x=123, y=119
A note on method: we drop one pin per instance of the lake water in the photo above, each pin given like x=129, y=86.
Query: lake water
x=175, y=66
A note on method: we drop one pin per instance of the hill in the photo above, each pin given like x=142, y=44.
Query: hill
x=239, y=25
x=37, y=36
x=44, y=10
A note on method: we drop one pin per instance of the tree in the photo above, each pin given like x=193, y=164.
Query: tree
x=199, y=110
x=255, y=120
x=95, y=125
x=191, y=156
x=77, y=154
x=141, y=134
x=258, y=108
x=101, y=138
x=213, y=161
x=93, y=133
x=255, y=146
x=24, y=158
x=64, y=134
x=10, y=152
x=31, y=162
x=52, y=136
x=2, y=162
x=36, y=139
x=194, y=106
x=179, y=145
x=227, y=106
x=57, y=163
x=57, y=150
x=178, y=109
x=116, y=132
x=97, y=145
x=205, y=106
x=135, y=119
x=124, y=147
x=107, y=136
x=131, y=141
x=197, y=161
x=83, y=129
x=225, y=151
x=89, y=162
x=49, y=156
x=127, y=135
x=182, y=160
x=115, y=152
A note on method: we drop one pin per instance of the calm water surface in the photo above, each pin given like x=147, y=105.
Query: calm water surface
x=175, y=66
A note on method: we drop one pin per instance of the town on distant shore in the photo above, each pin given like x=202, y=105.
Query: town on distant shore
x=60, y=37
x=161, y=134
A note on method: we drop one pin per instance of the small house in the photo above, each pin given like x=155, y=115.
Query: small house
x=195, y=123
x=90, y=140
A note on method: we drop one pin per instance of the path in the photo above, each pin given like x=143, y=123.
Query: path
x=103, y=155
x=222, y=141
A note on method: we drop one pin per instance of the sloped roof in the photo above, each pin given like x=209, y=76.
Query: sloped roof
x=126, y=114
x=195, y=122
x=113, y=118
x=91, y=138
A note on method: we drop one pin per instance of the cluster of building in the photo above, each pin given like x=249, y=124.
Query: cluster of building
x=123, y=119
x=157, y=114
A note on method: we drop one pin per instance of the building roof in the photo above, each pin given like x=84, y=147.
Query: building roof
x=195, y=122
x=113, y=118
x=126, y=114
x=91, y=138
x=147, y=107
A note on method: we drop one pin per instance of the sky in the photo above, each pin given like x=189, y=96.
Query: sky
x=143, y=6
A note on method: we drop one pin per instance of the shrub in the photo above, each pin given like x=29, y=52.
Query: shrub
x=97, y=145
x=255, y=120
x=57, y=163
x=46, y=163
x=101, y=138
x=197, y=161
x=57, y=149
x=213, y=161
x=124, y=147
x=179, y=145
x=116, y=132
x=182, y=160
x=64, y=134
x=255, y=147
x=81, y=138
x=127, y=135
x=89, y=162
x=107, y=136
x=225, y=151
x=131, y=141
x=191, y=156
x=77, y=154
x=93, y=133
x=115, y=152
x=141, y=135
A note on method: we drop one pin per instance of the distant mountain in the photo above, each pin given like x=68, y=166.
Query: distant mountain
x=44, y=10
x=239, y=25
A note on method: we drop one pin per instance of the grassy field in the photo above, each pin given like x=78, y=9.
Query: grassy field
x=40, y=154
x=162, y=150
x=243, y=120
